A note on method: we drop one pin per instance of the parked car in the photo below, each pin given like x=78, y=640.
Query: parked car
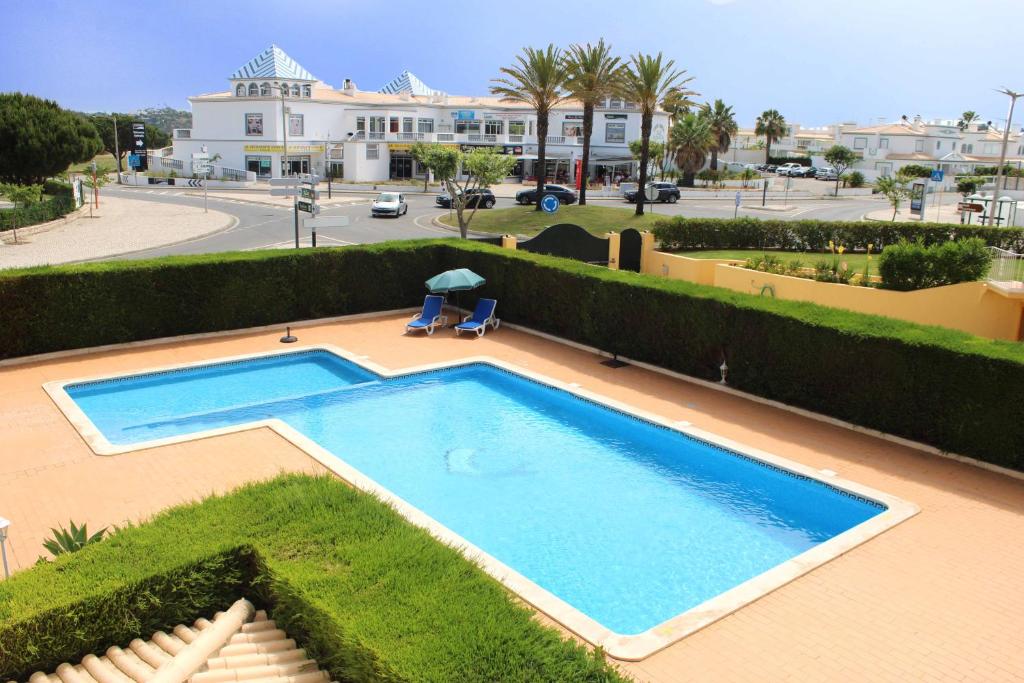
x=826, y=173
x=667, y=192
x=806, y=172
x=564, y=194
x=770, y=168
x=389, y=204
x=753, y=167
x=788, y=169
x=482, y=197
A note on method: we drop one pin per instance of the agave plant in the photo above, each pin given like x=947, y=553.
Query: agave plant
x=71, y=540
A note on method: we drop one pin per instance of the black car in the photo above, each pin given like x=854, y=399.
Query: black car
x=483, y=198
x=667, y=192
x=564, y=195
x=771, y=168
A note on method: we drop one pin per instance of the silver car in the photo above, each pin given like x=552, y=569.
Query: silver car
x=389, y=204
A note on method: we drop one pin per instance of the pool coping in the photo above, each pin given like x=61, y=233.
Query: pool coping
x=618, y=646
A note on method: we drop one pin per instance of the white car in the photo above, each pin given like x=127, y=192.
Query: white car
x=389, y=204
x=785, y=169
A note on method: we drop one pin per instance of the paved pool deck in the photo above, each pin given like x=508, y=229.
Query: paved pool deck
x=938, y=597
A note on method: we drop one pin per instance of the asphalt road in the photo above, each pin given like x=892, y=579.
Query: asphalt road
x=262, y=226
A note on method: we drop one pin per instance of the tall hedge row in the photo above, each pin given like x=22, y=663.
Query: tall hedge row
x=691, y=234
x=960, y=393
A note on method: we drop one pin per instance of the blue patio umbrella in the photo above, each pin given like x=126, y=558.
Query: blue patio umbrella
x=458, y=280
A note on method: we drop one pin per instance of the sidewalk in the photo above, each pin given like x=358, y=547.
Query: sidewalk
x=119, y=226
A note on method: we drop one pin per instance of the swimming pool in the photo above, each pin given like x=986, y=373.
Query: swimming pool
x=629, y=522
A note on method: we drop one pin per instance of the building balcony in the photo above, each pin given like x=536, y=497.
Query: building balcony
x=182, y=133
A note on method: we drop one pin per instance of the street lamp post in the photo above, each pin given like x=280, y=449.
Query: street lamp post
x=4, y=524
x=1002, y=152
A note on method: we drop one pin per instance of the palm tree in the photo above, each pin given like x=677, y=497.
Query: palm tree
x=676, y=102
x=691, y=137
x=772, y=126
x=591, y=75
x=967, y=118
x=645, y=81
x=723, y=125
x=538, y=80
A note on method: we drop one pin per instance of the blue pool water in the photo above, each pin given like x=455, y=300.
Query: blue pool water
x=629, y=522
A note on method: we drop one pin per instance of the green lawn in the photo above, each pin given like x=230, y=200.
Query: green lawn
x=103, y=159
x=371, y=597
x=524, y=220
x=807, y=258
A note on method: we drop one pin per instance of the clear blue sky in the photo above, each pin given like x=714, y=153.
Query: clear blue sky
x=817, y=61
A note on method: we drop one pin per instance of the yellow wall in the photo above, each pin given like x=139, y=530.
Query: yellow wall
x=701, y=271
x=969, y=306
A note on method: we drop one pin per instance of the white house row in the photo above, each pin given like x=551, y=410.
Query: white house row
x=366, y=136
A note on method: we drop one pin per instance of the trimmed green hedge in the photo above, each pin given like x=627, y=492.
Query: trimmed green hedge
x=957, y=392
x=691, y=234
x=370, y=597
x=49, y=209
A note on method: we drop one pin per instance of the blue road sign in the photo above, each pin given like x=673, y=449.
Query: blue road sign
x=133, y=161
x=937, y=176
x=549, y=203
x=737, y=199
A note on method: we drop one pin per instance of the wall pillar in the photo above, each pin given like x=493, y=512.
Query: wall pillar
x=613, y=250
x=508, y=241
x=646, y=250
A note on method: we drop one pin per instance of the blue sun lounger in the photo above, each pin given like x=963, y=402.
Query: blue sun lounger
x=483, y=315
x=430, y=317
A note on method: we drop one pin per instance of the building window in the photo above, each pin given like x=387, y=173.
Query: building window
x=254, y=90
x=393, y=124
x=572, y=129
x=296, y=124
x=295, y=90
x=463, y=126
x=307, y=91
x=258, y=164
x=373, y=152
x=517, y=128
x=883, y=143
x=614, y=132
x=492, y=127
x=919, y=145
x=990, y=148
x=425, y=125
x=531, y=126
x=967, y=149
x=377, y=127
x=407, y=124
x=360, y=126
x=954, y=146
x=284, y=89
x=264, y=89
x=860, y=143
x=240, y=90
x=254, y=124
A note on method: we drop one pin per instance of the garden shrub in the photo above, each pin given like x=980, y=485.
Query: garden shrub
x=912, y=265
x=916, y=171
x=370, y=596
x=855, y=179
x=693, y=234
x=914, y=381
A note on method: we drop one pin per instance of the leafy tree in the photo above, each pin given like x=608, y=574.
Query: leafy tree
x=967, y=118
x=165, y=118
x=646, y=79
x=841, y=159
x=21, y=196
x=591, y=72
x=916, y=171
x=691, y=138
x=481, y=168
x=538, y=80
x=677, y=102
x=655, y=154
x=772, y=125
x=421, y=152
x=895, y=190
x=155, y=138
x=723, y=126
x=38, y=139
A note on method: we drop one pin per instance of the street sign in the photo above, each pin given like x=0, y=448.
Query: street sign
x=737, y=198
x=201, y=168
x=309, y=178
x=284, y=182
x=651, y=192
x=200, y=156
x=284, y=192
x=549, y=203
x=917, y=190
x=309, y=193
x=937, y=176
x=967, y=207
x=308, y=207
x=139, y=144
x=134, y=161
x=327, y=222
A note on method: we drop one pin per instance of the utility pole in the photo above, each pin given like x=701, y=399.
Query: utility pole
x=117, y=150
x=1002, y=153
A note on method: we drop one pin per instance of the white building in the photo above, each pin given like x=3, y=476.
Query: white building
x=365, y=136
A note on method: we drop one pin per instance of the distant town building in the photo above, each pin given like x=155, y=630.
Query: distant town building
x=365, y=136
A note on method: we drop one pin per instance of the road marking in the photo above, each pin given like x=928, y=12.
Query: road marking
x=432, y=228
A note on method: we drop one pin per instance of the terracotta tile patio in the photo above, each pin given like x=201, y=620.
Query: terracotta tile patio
x=939, y=597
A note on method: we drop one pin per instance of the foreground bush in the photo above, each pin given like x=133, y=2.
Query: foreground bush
x=907, y=265
x=692, y=234
x=946, y=388
x=370, y=596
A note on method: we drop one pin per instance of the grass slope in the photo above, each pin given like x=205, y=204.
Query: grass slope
x=371, y=596
x=524, y=220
